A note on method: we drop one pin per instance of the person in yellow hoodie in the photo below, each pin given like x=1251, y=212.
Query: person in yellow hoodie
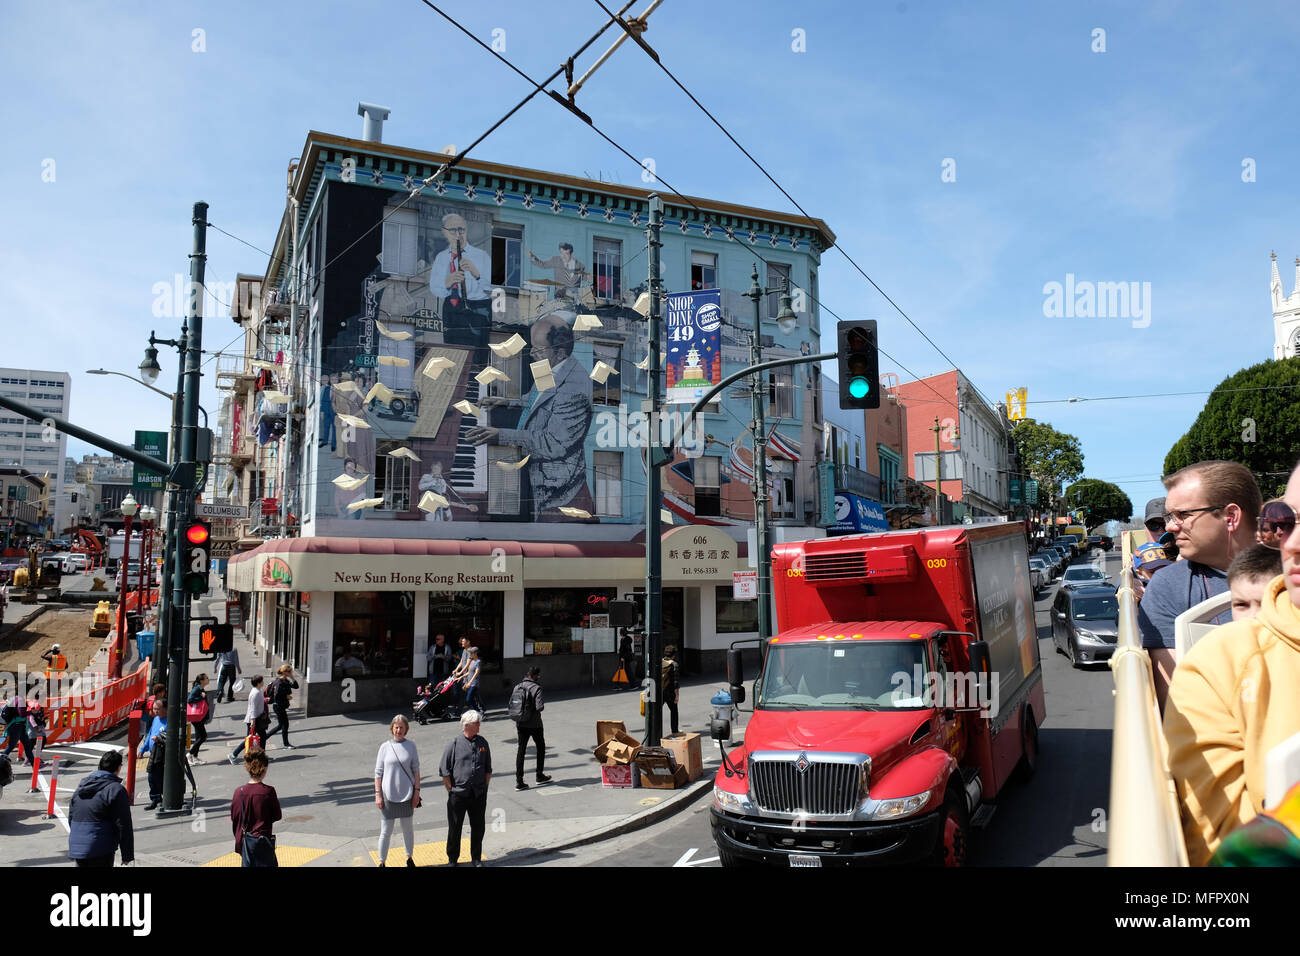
x=1233, y=698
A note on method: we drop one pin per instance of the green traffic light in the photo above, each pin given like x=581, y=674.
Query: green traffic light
x=859, y=388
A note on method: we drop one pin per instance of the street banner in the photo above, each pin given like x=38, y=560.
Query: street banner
x=694, y=344
x=155, y=444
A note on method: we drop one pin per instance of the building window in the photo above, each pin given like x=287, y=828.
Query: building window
x=776, y=271
x=376, y=626
x=704, y=270
x=708, y=493
x=567, y=620
x=512, y=366
x=734, y=617
x=607, y=256
x=400, y=247
x=503, y=483
x=889, y=466
x=608, y=392
x=780, y=393
x=608, y=466
x=477, y=615
x=289, y=640
x=392, y=477
x=507, y=254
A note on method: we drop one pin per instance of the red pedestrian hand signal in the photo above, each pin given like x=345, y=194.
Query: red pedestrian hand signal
x=216, y=638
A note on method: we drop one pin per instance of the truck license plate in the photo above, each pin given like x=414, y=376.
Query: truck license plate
x=805, y=860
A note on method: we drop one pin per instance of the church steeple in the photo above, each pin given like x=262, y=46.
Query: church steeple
x=1286, y=314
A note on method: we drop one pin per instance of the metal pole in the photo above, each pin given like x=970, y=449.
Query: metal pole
x=760, y=471
x=161, y=646
x=178, y=645
x=653, y=496
x=119, y=641
x=938, y=476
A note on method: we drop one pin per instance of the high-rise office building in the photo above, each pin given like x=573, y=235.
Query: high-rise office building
x=28, y=444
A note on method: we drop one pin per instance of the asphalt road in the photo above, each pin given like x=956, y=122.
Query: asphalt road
x=1057, y=819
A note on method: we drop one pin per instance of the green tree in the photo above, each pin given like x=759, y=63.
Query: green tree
x=1102, y=500
x=1050, y=457
x=1252, y=417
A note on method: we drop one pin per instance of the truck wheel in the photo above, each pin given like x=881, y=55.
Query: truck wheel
x=1029, y=747
x=954, y=837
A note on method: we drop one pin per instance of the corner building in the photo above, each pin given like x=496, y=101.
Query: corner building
x=372, y=385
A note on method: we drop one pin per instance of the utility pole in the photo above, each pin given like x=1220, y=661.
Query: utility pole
x=653, y=495
x=179, y=635
x=938, y=475
x=162, y=645
x=759, y=427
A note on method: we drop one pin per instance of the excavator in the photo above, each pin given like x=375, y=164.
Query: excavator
x=40, y=575
x=89, y=545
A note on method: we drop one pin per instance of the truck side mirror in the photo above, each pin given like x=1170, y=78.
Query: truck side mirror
x=737, y=693
x=979, y=657
x=720, y=729
x=735, y=668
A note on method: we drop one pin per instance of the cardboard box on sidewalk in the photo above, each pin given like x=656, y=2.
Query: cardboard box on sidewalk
x=659, y=770
x=607, y=728
x=615, y=747
x=686, y=749
x=625, y=776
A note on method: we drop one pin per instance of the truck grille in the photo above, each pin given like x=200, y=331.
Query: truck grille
x=829, y=567
x=823, y=788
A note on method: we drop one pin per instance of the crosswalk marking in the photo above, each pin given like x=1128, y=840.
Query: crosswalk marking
x=284, y=855
x=425, y=854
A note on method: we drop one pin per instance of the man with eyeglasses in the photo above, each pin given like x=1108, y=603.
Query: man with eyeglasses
x=1233, y=700
x=1211, y=509
x=460, y=276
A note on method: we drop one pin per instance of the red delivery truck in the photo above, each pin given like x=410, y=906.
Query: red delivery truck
x=903, y=690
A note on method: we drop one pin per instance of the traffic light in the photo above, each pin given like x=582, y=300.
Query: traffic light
x=859, y=364
x=216, y=638
x=197, y=544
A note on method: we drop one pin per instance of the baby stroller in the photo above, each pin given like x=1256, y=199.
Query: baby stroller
x=436, y=702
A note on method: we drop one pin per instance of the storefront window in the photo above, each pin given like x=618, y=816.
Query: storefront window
x=735, y=617
x=477, y=615
x=376, y=628
x=292, y=614
x=568, y=621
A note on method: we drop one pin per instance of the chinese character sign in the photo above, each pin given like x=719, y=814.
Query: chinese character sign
x=694, y=339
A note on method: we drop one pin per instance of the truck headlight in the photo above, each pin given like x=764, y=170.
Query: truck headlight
x=730, y=802
x=895, y=808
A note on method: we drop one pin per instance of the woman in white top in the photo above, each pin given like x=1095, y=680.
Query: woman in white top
x=397, y=787
x=255, y=718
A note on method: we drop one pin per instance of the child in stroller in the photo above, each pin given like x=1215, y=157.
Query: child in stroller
x=436, y=702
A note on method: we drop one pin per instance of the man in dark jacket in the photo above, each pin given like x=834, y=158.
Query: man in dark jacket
x=530, y=727
x=99, y=817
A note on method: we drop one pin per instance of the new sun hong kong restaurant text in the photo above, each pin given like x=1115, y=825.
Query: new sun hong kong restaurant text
x=368, y=608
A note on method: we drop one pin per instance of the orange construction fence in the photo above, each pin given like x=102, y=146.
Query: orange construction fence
x=79, y=717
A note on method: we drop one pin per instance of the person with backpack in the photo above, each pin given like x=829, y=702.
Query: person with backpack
x=525, y=709
x=277, y=696
x=14, y=717
x=254, y=809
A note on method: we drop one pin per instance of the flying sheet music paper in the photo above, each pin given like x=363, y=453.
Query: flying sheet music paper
x=645, y=362
x=348, y=386
x=271, y=395
x=465, y=408
x=354, y=421
x=380, y=391
x=513, y=465
x=261, y=363
x=542, y=377
x=432, y=502
x=365, y=503
x=395, y=336
x=575, y=512
x=348, y=483
x=396, y=360
x=602, y=372
x=585, y=323
x=510, y=346
x=435, y=367
x=403, y=453
x=491, y=374
x=665, y=516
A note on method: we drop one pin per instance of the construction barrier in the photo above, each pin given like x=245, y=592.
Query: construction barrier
x=79, y=717
x=54, y=784
x=1144, y=828
x=36, y=769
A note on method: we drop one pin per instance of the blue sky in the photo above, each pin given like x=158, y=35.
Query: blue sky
x=1115, y=166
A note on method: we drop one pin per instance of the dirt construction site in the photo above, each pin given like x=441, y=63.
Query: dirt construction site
x=65, y=625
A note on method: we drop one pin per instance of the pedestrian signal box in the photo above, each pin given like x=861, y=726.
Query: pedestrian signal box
x=216, y=638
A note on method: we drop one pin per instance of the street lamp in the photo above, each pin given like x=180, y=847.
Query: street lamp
x=786, y=321
x=149, y=368
x=129, y=508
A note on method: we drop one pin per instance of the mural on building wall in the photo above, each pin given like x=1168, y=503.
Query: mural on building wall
x=465, y=385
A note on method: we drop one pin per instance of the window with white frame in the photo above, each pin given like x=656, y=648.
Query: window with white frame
x=400, y=245
x=392, y=477
x=708, y=493
x=776, y=271
x=507, y=254
x=780, y=393
x=503, y=483
x=607, y=259
x=704, y=270
x=608, y=466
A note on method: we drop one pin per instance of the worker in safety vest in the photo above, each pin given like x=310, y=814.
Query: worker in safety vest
x=55, y=661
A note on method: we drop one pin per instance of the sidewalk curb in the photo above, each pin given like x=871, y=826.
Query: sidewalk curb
x=21, y=623
x=648, y=817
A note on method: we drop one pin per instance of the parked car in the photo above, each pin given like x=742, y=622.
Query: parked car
x=1060, y=557
x=1094, y=541
x=1046, y=571
x=1083, y=576
x=1085, y=624
x=76, y=564
x=1107, y=542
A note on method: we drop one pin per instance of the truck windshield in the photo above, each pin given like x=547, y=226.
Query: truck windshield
x=858, y=675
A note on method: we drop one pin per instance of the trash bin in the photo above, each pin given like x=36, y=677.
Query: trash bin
x=144, y=644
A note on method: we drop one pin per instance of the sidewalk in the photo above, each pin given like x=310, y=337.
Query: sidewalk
x=326, y=790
